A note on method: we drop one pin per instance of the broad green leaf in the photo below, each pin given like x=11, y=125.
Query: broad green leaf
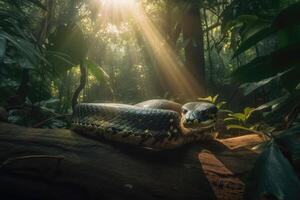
x=290, y=140
x=248, y=88
x=274, y=103
x=262, y=146
x=240, y=20
x=289, y=132
x=293, y=146
x=253, y=27
x=254, y=39
x=288, y=17
x=270, y=65
x=273, y=174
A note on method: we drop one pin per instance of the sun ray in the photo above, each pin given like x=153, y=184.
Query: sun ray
x=169, y=66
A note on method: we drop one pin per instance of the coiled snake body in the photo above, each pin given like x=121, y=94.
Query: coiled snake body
x=157, y=124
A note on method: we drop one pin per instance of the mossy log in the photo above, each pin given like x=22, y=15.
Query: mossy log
x=60, y=164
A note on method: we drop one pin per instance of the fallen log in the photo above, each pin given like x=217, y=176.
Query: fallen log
x=60, y=164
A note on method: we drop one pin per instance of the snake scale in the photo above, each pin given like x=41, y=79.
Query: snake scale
x=155, y=124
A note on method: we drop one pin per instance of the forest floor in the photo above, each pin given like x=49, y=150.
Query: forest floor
x=60, y=164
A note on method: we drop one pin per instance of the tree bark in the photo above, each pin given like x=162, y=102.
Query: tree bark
x=211, y=81
x=61, y=164
x=194, y=51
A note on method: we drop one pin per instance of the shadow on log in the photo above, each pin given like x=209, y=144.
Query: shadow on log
x=60, y=164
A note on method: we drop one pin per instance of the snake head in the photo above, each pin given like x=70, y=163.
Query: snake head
x=199, y=115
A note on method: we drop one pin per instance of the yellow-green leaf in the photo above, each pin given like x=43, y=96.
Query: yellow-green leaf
x=221, y=104
x=215, y=98
x=208, y=99
x=238, y=116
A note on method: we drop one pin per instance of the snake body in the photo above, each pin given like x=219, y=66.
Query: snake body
x=156, y=124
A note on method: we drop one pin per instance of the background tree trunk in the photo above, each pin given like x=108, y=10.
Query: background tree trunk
x=194, y=50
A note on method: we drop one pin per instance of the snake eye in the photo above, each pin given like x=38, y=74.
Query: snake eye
x=184, y=111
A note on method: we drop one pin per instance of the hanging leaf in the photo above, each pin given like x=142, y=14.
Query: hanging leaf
x=69, y=40
x=273, y=175
x=63, y=58
x=97, y=71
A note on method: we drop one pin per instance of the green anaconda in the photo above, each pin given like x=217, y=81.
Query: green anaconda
x=157, y=124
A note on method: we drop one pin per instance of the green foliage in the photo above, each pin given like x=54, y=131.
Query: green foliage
x=19, y=49
x=285, y=19
x=249, y=87
x=289, y=139
x=274, y=104
x=66, y=47
x=97, y=71
x=273, y=174
x=241, y=117
x=285, y=59
x=19, y=3
x=214, y=100
x=17, y=44
x=242, y=121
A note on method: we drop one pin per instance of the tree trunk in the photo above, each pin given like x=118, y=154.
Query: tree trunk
x=194, y=50
x=211, y=81
x=60, y=164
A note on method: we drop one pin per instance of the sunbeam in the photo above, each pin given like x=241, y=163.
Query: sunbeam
x=172, y=71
